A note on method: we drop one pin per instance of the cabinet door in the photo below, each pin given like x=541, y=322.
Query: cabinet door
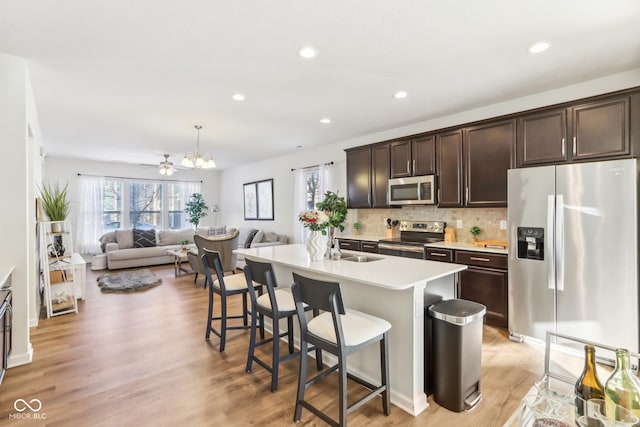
x=424, y=155
x=487, y=157
x=349, y=245
x=601, y=129
x=379, y=176
x=359, y=178
x=488, y=287
x=449, y=166
x=369, y=247
x=400, y=159
x=542, y=138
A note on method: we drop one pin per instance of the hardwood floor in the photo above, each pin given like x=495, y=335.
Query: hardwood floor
x=141, y=359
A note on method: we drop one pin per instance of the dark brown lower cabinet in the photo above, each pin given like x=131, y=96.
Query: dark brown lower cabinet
x=5, y=330
x=490, y=287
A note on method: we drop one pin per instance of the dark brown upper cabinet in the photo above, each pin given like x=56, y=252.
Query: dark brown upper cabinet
x=359, y=178
x=449, y=173
x=367, y=176
x=379, y=176
x=595, y=130
x=487, y=151
x=600, y=129
x=542, y=138
x=413, y=157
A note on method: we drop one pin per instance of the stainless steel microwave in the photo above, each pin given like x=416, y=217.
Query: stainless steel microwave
x=415, y=190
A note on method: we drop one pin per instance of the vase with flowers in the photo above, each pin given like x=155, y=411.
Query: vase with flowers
x=335, y=207
x=316, y=222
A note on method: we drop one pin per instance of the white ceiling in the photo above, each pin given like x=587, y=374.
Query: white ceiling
x=126, y=81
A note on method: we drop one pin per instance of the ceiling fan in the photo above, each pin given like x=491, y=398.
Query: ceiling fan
x=166, y=167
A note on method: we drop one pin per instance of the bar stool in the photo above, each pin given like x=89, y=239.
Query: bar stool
x=276, y=304
x=235, y=284
x=340, y=333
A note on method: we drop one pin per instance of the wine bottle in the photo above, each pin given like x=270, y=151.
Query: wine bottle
x=588, y=385
x=623, y=386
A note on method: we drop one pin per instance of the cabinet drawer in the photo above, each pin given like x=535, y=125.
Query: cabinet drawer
x=481, y=259
x=350, y=245
x=369, y=247
x=437, y=254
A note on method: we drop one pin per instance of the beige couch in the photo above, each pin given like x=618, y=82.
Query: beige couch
x=255, y=238
x=124, y=251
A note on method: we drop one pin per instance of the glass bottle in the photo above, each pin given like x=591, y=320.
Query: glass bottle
x=623, y=386
x=588, y=385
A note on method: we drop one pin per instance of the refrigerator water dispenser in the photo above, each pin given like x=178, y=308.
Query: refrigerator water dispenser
x=531, y=243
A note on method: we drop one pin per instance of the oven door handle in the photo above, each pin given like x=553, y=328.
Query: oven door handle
x=401, y=248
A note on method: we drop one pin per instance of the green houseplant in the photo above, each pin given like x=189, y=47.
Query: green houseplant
x=357, y=227
x=55, y=203
x=475, y=230
x=196, y=209
x=336, y=209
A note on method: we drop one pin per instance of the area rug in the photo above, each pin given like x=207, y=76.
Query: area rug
x=128, y=281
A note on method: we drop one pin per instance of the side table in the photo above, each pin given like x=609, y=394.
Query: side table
x=179, y=256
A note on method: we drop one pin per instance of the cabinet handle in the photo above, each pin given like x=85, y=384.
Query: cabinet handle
x=414, y=166
x=438, y=196
x=574, y=146
x=473, y=258
x=467, y=195
x=437, y=254
x=563, y=148
x=408, y=167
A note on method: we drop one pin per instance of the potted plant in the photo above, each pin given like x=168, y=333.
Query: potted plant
x=335, y=208
x=357, y=227
x=184, y=243
x=475, y=230
x=196, y=208
x=55, y=203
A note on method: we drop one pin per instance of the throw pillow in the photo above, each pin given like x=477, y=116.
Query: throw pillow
x=218, y=230
x=144, y=238
x=258, y=237
x=124, y=239
x=250, y=236
x=270, y=237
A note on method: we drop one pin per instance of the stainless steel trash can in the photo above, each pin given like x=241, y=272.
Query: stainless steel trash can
x=457, y=352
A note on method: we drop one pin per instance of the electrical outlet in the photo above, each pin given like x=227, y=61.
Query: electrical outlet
x=503, y=224
x=459, y=223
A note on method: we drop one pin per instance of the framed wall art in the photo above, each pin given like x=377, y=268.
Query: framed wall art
x=258, y=200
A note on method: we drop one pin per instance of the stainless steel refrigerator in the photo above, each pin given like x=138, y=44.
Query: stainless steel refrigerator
x=573, y=252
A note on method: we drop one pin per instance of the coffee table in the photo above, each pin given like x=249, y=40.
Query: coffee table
x=179, y=257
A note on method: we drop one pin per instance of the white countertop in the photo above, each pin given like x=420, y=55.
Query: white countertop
x=467, y=247
x=368, y=238
x=388, y=272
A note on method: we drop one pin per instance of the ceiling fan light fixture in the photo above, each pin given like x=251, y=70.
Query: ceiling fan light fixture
x=166, y=167
x=197, y=160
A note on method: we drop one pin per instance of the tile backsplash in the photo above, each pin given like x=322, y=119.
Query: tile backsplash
x=488, y=219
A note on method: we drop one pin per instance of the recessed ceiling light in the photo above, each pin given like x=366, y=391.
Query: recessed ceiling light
x=325, y=120
x=539, y=47
x=238, y=97
x=307, y=52
x=401, y=94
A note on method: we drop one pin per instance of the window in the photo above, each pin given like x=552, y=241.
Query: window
x=145, y=205
x=312, y=188
x=112, y=204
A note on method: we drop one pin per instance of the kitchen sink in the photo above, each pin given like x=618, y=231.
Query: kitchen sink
x=361, y=258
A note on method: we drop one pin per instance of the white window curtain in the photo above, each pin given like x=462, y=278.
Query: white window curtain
x=300, y=233
x=90, y=224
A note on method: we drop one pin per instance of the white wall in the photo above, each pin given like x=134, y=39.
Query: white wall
x=63, y=171
x=279, y=168
x=17, y=116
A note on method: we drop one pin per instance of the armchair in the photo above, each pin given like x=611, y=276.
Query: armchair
x=224, y=244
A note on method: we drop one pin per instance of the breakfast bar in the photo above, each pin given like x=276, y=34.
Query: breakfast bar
x=393, y=288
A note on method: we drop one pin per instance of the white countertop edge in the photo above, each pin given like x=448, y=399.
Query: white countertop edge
x=363, y=237
x=5, y=272
x=467, y=247
x=324, y=267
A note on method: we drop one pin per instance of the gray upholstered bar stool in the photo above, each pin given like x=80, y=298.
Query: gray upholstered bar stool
x=341, y=333
x=235, y=284
x=276, y=304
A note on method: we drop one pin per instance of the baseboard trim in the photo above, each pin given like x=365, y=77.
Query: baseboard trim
x=20, y=359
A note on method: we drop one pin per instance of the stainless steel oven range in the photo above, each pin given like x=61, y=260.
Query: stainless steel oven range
x=413, y=236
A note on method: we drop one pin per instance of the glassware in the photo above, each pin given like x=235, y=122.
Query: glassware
x=623, y=386
x=599, y=413
x=335, y=250
x=588, y=385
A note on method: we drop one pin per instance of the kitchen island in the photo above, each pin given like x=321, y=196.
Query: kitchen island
x=393, y=288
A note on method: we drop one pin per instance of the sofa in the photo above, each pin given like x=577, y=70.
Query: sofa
x=256, y=238
x=138, y=248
